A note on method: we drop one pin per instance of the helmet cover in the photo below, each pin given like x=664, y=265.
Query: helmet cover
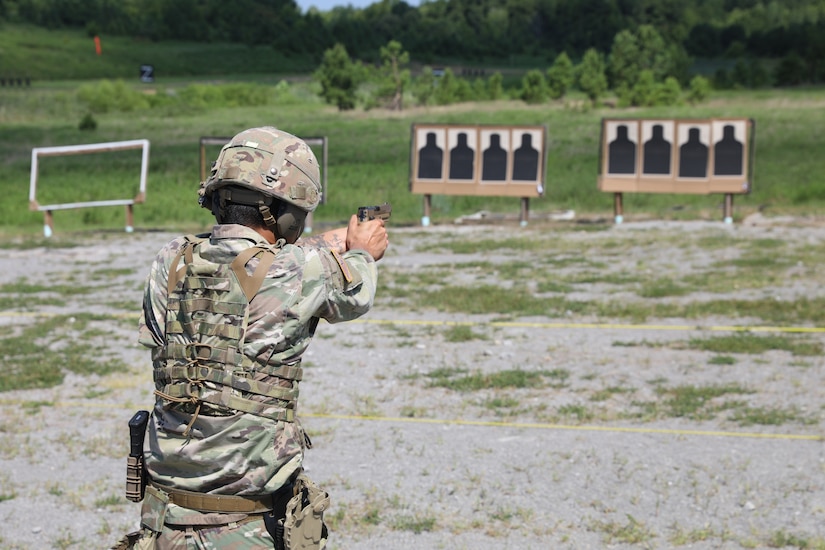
x=275, y=163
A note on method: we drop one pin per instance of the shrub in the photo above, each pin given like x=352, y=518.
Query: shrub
x=105, y=96
x=88, y=123
x=699, y=89
x=495, y=86
x=668, y=92
x=447, y=89
x=644, y=90
x=534, y=87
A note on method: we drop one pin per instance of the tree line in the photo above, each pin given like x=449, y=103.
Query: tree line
x=776, y=42
x=465, y=29
x=639, y=69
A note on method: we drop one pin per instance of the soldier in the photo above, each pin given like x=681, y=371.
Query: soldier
x=228, y=316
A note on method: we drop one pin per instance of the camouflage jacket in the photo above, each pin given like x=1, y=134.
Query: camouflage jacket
x=241, y=453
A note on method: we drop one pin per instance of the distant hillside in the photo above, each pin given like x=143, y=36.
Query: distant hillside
x=69, y=54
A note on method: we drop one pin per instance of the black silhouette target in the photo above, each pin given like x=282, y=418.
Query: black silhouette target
x=693, y=150
x=621, y=147
x=431, y=154
x=495, y=145
x=657, y=147
x=525, y=157
x=462, y=154
x=728, y=148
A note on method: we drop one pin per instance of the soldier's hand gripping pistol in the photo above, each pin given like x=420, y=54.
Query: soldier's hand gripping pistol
x=383, y=212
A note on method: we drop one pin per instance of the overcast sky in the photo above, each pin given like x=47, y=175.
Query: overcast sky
x=325, y=5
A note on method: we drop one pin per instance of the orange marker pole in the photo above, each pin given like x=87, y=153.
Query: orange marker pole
x=97, y=45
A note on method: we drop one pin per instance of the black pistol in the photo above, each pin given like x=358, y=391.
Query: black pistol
x=366, y=213
x=135, y=477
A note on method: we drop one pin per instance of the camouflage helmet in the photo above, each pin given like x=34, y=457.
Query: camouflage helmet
x=270, y=161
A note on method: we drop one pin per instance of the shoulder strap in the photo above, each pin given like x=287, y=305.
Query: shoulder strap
x=252, y=283
x=176, y=274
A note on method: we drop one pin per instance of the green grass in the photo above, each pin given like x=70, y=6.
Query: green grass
x=69, y=54
x=456, y=379
x=783, y=539
x=746, y=342
x=373, y=167
x=109, y=501
x=768, y=416
x=487, y=299
x=462, y=333
x=696, y=402
x=42, y=352
x=632, y=532
x=416, y=523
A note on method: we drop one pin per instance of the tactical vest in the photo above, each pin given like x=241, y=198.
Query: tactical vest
x=206, y=321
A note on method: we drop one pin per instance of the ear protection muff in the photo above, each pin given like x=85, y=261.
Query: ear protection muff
x=285, y=219
x=289, y=222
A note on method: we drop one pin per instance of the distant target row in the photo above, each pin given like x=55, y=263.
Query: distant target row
x=668, y=151
x=723, y=142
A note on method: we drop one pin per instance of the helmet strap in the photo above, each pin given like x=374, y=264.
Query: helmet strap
x=266, y=213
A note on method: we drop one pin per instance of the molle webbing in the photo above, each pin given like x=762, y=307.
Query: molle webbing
x=206, y=322
x=205, y=353
x=196, y=392
x=196, y=374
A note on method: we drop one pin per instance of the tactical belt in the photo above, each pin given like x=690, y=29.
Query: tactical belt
x=203, y=502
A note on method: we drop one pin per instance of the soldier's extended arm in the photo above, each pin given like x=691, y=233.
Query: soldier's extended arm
x=334, y=239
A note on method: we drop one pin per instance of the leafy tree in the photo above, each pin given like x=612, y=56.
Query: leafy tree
x=654, y=53
x=560, y=76
x=394, y=77
x=644, y=50
x=592, y=77
x=534, y=87
x=624, y=64
x=339, y=78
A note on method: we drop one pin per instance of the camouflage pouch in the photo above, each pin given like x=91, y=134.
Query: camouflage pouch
x=304, y=527
x=127, y=542
x=153, y=510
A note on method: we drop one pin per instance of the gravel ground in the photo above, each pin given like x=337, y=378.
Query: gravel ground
x=410, y=464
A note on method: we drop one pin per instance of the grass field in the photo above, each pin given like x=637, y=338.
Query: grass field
x=368, y=150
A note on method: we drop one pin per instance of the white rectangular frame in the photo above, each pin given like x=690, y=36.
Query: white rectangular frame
x=89, y=148
x=48, y=225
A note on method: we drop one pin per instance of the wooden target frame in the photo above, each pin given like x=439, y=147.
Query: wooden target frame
x=475, y=159
x=690, y=156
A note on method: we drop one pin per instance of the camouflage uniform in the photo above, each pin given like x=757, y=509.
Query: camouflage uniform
x=220, y=451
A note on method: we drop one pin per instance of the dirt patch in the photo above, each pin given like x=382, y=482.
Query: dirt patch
x=583, y=425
